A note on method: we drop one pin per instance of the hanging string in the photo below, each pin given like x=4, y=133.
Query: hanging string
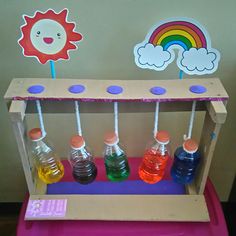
x=79, y=130
x=116, y=118
x=38, y=105
x=190, y=127
x=156, y=120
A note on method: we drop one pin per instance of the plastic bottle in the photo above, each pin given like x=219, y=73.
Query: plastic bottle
x=186, y=160
x=156, y=156
x=116, y=163
x=50, y=169
x=84, y=169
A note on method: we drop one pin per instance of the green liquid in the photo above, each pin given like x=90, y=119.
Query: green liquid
x=117, y=167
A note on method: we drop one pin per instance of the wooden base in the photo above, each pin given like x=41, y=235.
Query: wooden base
x=132, y=207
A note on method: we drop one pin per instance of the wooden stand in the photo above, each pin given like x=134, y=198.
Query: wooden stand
x=188, y=207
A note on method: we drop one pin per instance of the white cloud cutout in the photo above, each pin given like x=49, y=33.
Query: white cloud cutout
x=199, y=61
x=152, y=57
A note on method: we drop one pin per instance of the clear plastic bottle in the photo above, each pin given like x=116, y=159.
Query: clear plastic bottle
x=116, y=163
x=50, y=169
x=186, y=160
x=156, y=156
x=84, y=169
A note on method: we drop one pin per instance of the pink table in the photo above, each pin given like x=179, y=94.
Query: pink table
x=216, y=226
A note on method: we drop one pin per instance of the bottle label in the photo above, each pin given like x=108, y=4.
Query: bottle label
x=53, y=208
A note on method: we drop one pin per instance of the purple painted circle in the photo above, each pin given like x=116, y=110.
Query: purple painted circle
x=77, y=88
x=114, y=89
x=35, y=89
x=157, y=90
x=198, y=89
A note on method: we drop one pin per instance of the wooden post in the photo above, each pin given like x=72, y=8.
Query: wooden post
x=215, y=116
x=17, y=113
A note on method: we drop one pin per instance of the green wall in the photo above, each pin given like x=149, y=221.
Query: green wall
x=111, y=29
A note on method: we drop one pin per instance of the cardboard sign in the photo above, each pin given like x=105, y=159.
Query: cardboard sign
x=48, y=36
x=188, y=38
x=46, y=208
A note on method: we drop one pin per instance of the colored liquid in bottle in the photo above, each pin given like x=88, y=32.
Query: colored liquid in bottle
x=117, y=167
x=84, y=172
x=51, y=172
x=184, y=166
x=153, y=166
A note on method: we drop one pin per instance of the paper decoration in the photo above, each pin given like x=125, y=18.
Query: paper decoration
x=195, y=54
x=46, y=209
x=48, y=36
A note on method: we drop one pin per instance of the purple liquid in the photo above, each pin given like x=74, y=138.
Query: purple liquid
x=84, y=172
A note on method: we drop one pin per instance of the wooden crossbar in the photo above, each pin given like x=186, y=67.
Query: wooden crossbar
x=133, y=90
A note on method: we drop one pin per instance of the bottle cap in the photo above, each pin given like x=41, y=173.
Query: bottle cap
x=163, y=137
x=35, y=134
x=190, y=146
x=110, y=138
x=77, y=141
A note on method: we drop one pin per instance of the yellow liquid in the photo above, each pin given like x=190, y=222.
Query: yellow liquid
x=51, y=173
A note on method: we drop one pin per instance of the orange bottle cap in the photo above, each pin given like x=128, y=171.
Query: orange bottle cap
x=110, y=138
x=35, y=134
x=190, y=145
x=163, y=137
x=77, y=141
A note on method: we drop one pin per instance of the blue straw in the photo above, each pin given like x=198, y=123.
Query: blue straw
x=181, y=74
x=53, y=71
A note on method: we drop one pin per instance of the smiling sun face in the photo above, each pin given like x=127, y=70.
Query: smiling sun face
x=48, y=36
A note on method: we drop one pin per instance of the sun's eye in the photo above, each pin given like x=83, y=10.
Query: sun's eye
x=38, y=33
x=58, y=34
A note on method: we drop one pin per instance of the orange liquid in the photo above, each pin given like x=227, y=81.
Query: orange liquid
x=152, y=168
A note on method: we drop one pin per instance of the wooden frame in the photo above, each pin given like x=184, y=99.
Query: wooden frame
x=177, y=98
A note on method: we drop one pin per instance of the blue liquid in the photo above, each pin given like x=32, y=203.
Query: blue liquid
x=184, y=166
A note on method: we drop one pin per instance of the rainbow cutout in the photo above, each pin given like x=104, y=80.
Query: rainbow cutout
x=182, y=39
x=182, y=33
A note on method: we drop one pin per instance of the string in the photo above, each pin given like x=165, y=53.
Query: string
x=116, y=118
x=38, y=105
x=190, y=127
x=79, y=130
x=53, y=73
x=156, y=120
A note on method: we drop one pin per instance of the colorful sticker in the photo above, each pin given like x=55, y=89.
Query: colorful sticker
x=188, y=37
x=48, y=36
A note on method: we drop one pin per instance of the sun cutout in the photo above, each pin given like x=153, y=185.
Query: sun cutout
x=48, y=36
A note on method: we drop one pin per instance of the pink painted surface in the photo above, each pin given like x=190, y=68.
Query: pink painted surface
x=32, y=98
x=216, y=226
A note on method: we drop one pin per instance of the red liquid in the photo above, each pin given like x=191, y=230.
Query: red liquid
x=152, y=168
